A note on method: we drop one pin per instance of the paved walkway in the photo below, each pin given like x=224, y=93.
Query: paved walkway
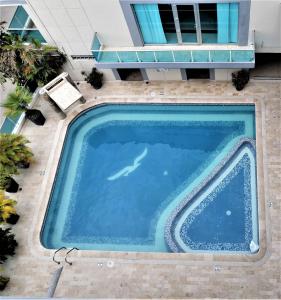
x=30, y=271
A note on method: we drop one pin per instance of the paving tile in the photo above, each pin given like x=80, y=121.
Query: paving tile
x=137, y=275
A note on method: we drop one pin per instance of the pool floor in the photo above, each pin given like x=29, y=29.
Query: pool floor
x=125, y=168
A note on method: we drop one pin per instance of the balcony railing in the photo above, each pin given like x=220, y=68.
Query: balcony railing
x=180, y=56
x=219, y=54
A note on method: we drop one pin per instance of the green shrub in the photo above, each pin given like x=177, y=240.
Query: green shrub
x=8, y=244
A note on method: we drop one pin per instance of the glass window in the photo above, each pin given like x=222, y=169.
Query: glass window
x=227, y=14
x=208, y=21
x=19, y=19
x=187, y=23
x=150, y=23
x=23, y=26
x=168, y=24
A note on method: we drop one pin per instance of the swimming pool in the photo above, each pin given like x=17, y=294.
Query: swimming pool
x=160, y=178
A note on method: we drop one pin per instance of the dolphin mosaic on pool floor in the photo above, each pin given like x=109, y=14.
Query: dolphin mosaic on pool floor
x=220, y=214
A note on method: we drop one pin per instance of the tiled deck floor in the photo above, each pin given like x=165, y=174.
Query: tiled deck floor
x=31, y=274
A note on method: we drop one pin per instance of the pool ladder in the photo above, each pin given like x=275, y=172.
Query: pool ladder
x=65, y=258
x=57, y=274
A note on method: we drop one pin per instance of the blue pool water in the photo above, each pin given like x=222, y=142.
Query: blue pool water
x=125, y=168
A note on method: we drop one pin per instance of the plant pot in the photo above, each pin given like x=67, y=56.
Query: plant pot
x=32, y=86
x=23, y=164
x=97, y=84
x=35, y=116
x=3, y=282
x=240, y=79
x=12, y=186
x=13, y=219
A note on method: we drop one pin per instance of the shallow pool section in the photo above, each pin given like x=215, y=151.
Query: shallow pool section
x=126, y=169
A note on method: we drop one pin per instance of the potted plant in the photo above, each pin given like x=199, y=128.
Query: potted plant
x=7, y=183
x=17, y=102
x=95, y=78
x=240, y=79
x=7, y=210
x=14, y=150
x=3, y=282
x=8, y=244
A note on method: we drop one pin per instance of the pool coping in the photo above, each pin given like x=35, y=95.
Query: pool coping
x=156, y=257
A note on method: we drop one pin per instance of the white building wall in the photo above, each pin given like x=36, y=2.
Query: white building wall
x=224, y=74
x=70, y=25
x=266, y=21
x=7, y=13
x=163, y=74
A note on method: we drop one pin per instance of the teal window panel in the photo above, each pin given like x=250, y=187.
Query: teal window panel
x=19, y=19
x=17, y=32
x=220, y=55
x=9, y=124
x=228, y=19
x=96, y=45
x=146, y=56
x=33, y=34
x=164, y=56
x=108, y=56
x=150, y=23
x=128, y=56
x=200, y=56
x=182, y=56
x=242, y=55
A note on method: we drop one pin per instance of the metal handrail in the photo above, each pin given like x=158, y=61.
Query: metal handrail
x=54, y=260
x=65, y=259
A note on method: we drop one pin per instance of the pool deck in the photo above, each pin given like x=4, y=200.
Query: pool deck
x=150, y=275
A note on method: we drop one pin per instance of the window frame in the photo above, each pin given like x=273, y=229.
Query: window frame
x=25, y=27
x=136, y=35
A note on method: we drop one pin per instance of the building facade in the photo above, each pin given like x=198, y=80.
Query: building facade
x=155, y=39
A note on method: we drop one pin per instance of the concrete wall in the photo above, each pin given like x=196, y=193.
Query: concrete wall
x=7, y=13
x=266, y=21
x=70, y=25
x=223, y=74
x=160, y=74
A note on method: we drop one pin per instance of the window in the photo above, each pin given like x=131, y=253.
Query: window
x=150, y=23
x=23, y=26
x=207, y=23
x=187, y=23
x=168, y=24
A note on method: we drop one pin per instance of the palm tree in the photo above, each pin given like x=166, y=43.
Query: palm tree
x=17, y=102
x=14, y=151
x=30, y=64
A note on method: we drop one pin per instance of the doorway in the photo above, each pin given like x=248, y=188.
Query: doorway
x=130, y=74
x=197, y=73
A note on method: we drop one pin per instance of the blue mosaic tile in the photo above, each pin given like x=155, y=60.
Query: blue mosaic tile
x=218, y=219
